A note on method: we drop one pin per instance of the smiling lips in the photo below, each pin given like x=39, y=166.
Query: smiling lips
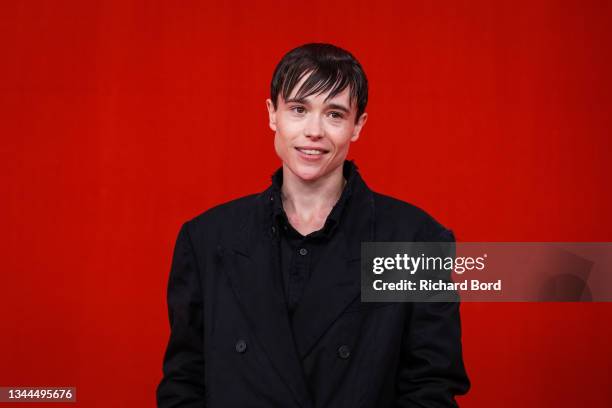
x=312, y=151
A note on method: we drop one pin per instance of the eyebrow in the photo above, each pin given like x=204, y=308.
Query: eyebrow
x=339, y=107
x=330, y=106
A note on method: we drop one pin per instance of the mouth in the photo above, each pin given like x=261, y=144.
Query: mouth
x=312, y=151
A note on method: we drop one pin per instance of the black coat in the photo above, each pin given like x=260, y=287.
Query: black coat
x=233, y=345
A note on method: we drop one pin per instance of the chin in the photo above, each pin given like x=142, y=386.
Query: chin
x=308, y=176
x=306, y=173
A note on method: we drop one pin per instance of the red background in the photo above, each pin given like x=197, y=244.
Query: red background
x=122, y=119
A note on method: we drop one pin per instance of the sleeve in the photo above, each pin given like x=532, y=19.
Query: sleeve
x=431, y=370
x=182, y=384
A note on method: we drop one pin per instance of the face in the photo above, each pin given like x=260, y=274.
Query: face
x=312, y=135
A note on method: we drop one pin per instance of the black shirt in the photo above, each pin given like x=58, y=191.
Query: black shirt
x=298, y=255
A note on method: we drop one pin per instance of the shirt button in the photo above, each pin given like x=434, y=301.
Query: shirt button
x=303, y=251
x=344, y=352
x=241, y=346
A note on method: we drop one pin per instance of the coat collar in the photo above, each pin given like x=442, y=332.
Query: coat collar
x=253, y=272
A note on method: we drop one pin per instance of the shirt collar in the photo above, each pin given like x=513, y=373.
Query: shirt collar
x=279, y=217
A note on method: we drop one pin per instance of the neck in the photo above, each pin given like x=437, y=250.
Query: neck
x=311, y=201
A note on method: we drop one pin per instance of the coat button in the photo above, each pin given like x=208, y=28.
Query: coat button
x=344, y=351
x=303, y=251
x=273, y=229
x=241, y=346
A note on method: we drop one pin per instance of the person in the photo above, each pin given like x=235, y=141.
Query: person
x=264, y=291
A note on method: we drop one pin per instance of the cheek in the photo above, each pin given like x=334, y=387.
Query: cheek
x=285, y=133
x=341, y=138
x=287, y=128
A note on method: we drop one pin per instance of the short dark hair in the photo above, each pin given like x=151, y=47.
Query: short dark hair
x=332, y=69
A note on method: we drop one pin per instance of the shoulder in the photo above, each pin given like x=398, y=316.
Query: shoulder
x=226, y=216
x=406, y=221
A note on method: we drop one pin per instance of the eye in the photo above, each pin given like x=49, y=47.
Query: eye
x=298, y=109
x=336, y=115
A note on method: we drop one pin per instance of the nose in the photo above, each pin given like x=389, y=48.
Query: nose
x=314, y=128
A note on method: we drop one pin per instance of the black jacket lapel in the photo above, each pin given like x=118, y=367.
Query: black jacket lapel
x=253, y=274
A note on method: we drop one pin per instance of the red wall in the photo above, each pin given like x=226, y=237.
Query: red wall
x=122, y=119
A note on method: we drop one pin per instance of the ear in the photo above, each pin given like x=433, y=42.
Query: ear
x=271, y=114
x=358, y=126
